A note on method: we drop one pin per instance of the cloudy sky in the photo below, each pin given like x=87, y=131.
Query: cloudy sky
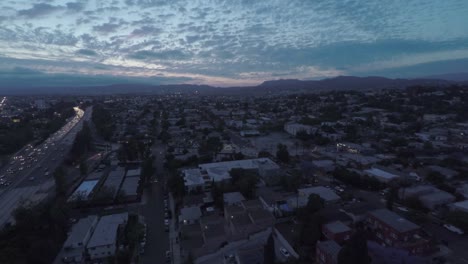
x=227, y=42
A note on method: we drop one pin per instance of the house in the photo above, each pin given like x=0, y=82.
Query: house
x=233, y=198
x=415, y=191
x=327, y=194
x=214, y=231
x=381, y=175
x=103, y=241
x=193, y=180
x=387, y=255
x=249, y=133
x=74, y=247
x=436, y=199
x=189, y=215
x=247, y=218
x=327, y=252
x=392, y=230
x=460, y=206
x=325, y=166
x=336, y=231
x=446, y=172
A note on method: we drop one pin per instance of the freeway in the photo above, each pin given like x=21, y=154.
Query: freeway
x=29, y=174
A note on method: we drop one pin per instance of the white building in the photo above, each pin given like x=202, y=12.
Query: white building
x=74, y=246
x=220, y=172
x=103, y=242
x=294, y=128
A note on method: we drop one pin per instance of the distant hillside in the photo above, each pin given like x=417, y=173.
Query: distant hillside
x=458, y=77
x=267, y=87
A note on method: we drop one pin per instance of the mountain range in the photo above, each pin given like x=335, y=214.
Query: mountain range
x=268, y=87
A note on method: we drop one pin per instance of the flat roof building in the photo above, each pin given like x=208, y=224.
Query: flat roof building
x=381, y=175
x=103, y=241
x=74, y=247
x=327, y=194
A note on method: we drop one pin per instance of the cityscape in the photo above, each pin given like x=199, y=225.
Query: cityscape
x=200, y=132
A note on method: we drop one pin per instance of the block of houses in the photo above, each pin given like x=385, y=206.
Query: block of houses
x=201, y=178
x=336, y=231
x=326, y=252
x=392, y=230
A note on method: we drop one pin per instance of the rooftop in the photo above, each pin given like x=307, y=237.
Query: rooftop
x=130, y=186
x=233, y=197
x=106, y=230
x=395, y=221
x=80, y=231
x=190, y=213
x=325, y=193
x=337, y=227
x=193, y=177
x=381, y=173
x=437, y=196
x=330, y=247
x=462, y=204
x=134, y=173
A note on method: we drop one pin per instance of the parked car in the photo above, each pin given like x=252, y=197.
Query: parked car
x=285, y=252
x=454, y=229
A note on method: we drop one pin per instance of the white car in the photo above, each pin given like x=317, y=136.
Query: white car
x=285, y=252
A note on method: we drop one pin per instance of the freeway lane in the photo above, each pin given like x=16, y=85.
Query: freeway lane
x=30, y=175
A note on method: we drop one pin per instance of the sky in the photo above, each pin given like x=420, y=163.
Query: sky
x=227, y=42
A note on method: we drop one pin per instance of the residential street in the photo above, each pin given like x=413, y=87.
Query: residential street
x=157, y=241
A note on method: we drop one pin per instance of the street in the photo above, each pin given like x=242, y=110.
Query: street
x=152, y=208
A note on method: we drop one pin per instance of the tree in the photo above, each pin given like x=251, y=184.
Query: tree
x=355, y=250
x=245, y=181
x=315, y=203
x=83, y=167
x=60, y=184
x=264, y=154
x=269, y=251
x=282, y=153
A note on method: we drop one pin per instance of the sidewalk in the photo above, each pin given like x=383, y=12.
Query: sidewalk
x=173, y=233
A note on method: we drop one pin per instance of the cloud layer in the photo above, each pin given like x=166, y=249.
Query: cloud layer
x=223, y=42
